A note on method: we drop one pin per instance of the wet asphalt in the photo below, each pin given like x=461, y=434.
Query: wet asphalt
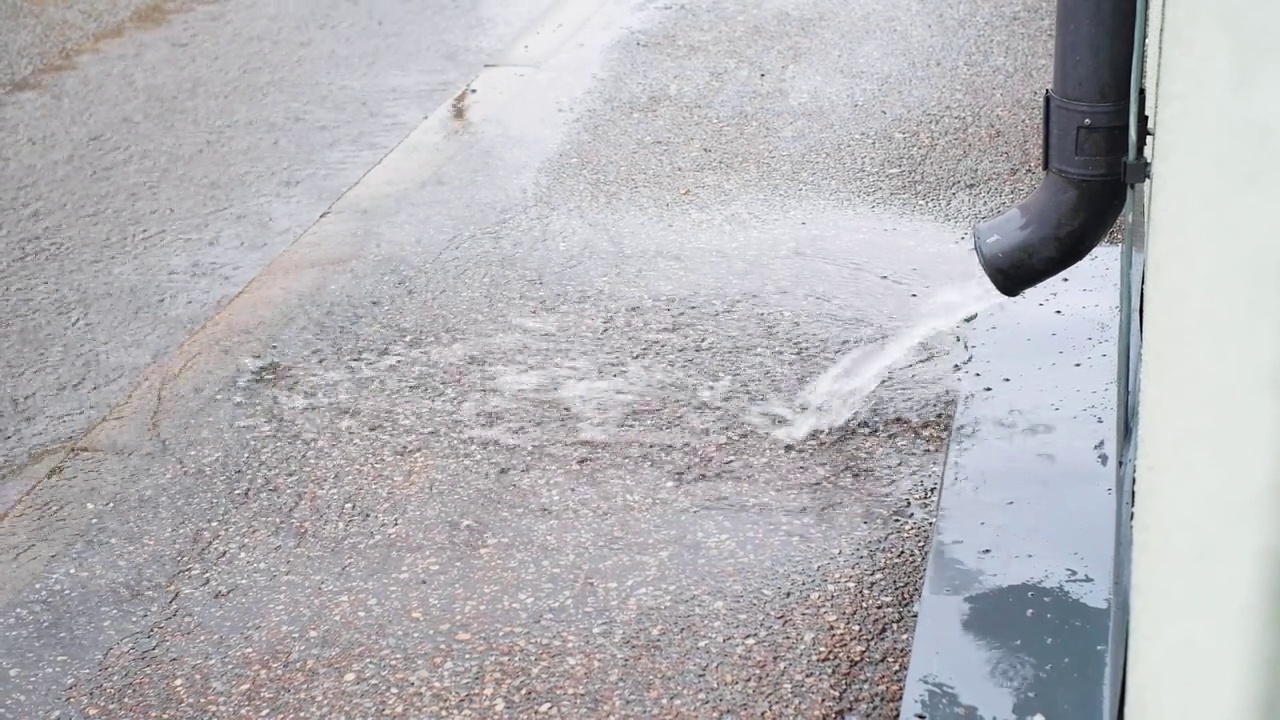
x=490, y=432
x=36, y=35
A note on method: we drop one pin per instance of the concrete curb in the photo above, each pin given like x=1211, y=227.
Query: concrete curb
x=1014, y=615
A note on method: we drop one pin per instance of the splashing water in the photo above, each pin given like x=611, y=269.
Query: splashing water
x=840, y=392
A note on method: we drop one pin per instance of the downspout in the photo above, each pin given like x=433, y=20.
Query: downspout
x=1086, y=127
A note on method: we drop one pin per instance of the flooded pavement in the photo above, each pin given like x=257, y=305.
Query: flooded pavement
x=619, y=387
x=147, y=184
x=38, y=36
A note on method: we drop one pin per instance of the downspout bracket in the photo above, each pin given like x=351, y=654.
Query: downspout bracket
x=1137, y=171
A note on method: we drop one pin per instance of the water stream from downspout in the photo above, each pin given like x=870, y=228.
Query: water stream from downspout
x=844, y=389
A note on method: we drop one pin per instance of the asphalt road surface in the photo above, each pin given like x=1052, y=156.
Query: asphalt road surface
x=501, y=358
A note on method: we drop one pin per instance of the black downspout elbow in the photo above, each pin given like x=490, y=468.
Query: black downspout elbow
x=1086, y=123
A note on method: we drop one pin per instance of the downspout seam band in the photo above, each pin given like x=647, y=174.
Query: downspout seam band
x=1085, y=141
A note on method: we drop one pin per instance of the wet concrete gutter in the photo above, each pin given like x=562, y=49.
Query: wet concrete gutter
x=1014, y=615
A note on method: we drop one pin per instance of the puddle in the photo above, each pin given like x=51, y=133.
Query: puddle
x=697, y=327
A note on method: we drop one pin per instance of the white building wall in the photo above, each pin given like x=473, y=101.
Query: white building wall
x=1205, y=623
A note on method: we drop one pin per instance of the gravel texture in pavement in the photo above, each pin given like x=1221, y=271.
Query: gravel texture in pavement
x=510, y=452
